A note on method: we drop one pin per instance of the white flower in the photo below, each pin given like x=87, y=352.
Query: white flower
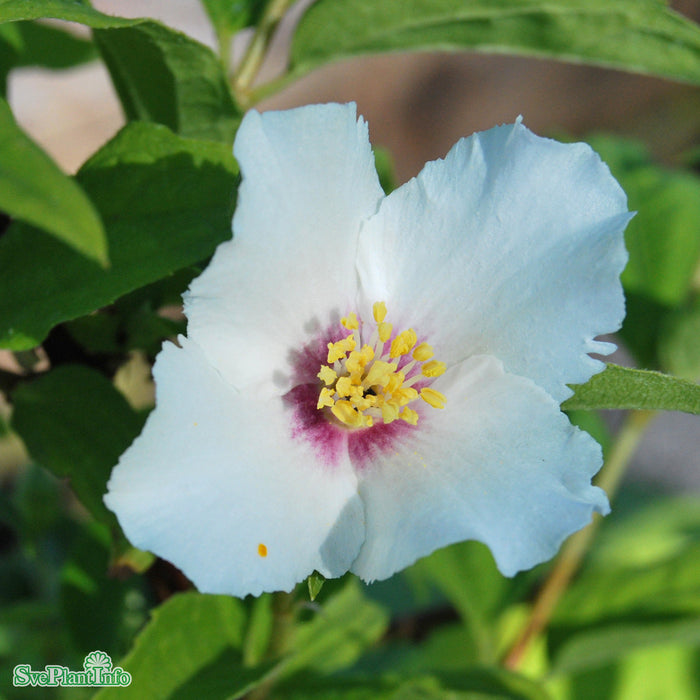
x=271, y=454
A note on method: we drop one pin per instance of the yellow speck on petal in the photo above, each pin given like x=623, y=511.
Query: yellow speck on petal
x=379, y=310
x=195, y=424
x=432, y=397
x=434, y=368
x=262, y=550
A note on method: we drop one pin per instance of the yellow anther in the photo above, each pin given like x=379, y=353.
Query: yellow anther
x=405, y=395
x=379, y=311
x=343, y=410
x=344, y=386
x=360, y=385
x=358, y=359
x=379, y=373
x=390, y=412
x=350, y=321
x=395, y=381
x=327, y=375
x=432, y=397
x=434, y=368
x=409, y=415
x=385, y=331
x=338, y=351
x=423, y=352
x=325, y=398
x=403, y=343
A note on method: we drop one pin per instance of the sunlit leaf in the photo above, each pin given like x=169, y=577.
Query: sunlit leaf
x=166, y=203
x=622, y=387
x=33, y=189
x=638, y=35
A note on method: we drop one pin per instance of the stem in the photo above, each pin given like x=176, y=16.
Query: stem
x=572, y=553
x=255, y=53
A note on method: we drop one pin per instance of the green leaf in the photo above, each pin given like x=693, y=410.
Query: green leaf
x=467, y=575
x=70, y=10
x=190, y=646
x=166, y=77
x=76, y=424
x=640, y=588
x=44, y=45
x=166, y=203
x=33, y=189
x=228, y=16
x=638, y=35
x=345, y=626
x=663, y=240
x=679, y=341
x=160, y=74
x=315, y=583
x=622, y=387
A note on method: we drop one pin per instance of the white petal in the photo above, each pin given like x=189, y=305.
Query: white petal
x=309, y=180
x=510, y=246
x=215, y=474
x=499, y=464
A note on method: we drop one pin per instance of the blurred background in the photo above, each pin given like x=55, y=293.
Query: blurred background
x=417, y=106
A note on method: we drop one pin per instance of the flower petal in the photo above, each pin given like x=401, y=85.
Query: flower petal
x=309, y=181
x=499, y=464
x=216, y=485
x=511, y=246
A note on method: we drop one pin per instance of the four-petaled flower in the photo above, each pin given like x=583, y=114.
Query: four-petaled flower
x=368, y=378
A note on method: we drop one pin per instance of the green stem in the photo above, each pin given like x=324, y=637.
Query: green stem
x=255, y=53
x=572, y=553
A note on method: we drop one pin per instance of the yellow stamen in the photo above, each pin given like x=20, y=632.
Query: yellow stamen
x=327, y=375
x=409, y=415
x=379, y=311
x=423, y=352
x=350, y=321
x=360, y=385
x=325, y=398
x=434, y=368
x=432, y=397
x=385, y=331
x=403, y=343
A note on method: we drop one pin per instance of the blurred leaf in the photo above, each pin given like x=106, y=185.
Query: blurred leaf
x=228, y=16
x=190, y=646
x=467, y=575
x=641, y=329
x=76, y=424
x=386, y=169
x=470, y=684
x=638, y=35
x=259, y=630
x=593, y=423
x=166, y=77
x=342, y=629
x=166, y=203
x=679, y=341
x=663, y=240
x=33, y=189
x=48, y=46
x=94, y=604
x=640, y=588
x=622, y=387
